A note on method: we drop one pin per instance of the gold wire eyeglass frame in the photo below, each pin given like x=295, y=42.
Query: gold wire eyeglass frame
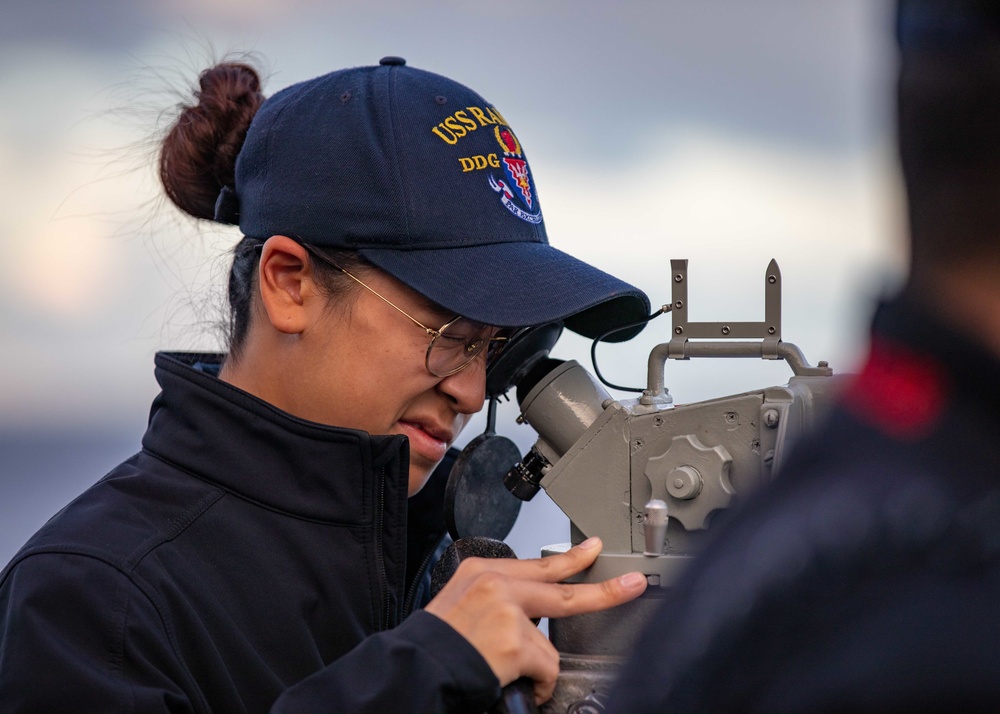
x=472, y=347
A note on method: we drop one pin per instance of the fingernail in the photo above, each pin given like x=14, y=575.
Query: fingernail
x=632, y=580
x=590, y=543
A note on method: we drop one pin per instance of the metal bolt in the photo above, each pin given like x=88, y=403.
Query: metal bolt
x=678, y=330
x=772, y=279
x=731, y=417
x=684, y=482
x=678, y=278
x=639, y=517
x=770, y=330
x=771, y=418
x=824, y=363
x=520, y=419
x=585, y=706
x=637, y=443
x=679, y=305
x=725, y=329
x=658, y=421
x=769, y=457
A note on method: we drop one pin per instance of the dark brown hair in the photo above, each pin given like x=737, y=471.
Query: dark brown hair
x=198, y=158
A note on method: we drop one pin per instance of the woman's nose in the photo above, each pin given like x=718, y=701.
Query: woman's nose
x=467, y=388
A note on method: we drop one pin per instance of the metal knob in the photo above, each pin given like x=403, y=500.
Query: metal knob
x=654, y=527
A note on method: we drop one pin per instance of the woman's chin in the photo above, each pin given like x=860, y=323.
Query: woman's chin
x=419, y=476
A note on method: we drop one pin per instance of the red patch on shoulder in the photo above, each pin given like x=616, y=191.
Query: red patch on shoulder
x=899, y=391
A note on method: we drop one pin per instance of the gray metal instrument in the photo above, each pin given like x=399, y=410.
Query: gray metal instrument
x=649, y=476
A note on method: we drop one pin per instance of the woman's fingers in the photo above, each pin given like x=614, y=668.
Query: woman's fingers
x=562, y=600
x=536, y=587
x=491, y=603
x=544, y=599
x=551, y=569
x=542, y=665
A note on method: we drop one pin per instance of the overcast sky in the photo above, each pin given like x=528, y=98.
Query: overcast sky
x=728, y=132
x=724, y=131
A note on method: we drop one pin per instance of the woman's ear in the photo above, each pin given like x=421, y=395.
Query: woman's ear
x=286, y=282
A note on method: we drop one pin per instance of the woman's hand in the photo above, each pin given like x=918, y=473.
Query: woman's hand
x=491, y=603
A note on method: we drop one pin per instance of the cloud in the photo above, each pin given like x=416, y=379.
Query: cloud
x=729, y=206
x=727, y=133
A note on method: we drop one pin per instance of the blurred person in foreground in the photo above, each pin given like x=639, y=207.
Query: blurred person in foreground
x=266, y=549
x=866, y=577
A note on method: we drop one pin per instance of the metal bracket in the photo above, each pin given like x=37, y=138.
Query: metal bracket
x=716, y=339
x=769, y=330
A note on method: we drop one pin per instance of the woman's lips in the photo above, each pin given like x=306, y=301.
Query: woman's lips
x=423, y=442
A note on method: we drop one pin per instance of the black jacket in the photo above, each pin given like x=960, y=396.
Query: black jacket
x=244, y=561
x=866, y=577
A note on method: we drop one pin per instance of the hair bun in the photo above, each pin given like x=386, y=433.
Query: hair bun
x=198, y=156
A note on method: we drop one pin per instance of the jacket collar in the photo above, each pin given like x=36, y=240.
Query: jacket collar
x=228, y=437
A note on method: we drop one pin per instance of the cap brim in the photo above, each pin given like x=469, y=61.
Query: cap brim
x=518, y=284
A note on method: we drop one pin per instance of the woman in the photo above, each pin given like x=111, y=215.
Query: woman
x=253, y=556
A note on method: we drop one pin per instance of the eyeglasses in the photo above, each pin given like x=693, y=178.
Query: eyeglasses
x=454, y=345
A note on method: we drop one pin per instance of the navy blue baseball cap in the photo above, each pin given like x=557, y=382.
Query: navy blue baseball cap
x=426, y=180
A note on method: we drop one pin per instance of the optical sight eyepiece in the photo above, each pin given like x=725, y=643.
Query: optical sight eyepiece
x=524, y=478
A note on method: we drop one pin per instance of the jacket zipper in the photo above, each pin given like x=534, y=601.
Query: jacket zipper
x=411, y=593
x=383, y=579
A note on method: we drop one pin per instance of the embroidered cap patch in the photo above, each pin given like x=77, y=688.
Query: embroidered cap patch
x=514, y=186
